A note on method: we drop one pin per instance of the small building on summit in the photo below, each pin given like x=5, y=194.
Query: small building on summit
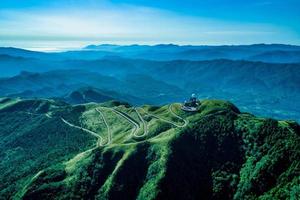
x=191, y=105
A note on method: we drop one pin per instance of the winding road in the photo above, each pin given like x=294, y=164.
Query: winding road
x=129, y=119
x=168, y=121
x=109, y=134
x=100, y=139
x=186, y=122
x=145, y=126
x=136, y=125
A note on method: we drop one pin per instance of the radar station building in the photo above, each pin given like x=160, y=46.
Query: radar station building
x=191, y=105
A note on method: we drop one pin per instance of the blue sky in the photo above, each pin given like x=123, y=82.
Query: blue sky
x=73, y=23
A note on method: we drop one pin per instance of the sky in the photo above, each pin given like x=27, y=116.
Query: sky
x=67, y=24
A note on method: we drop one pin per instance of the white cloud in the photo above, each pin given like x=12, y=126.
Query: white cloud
x=127, y=24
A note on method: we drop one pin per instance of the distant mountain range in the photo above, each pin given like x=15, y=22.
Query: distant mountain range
x=274, y=53
x=257, y=52
x=90, y=94
x=161, y=74
x=135, y=88
x=13, y=60
x=101, y=123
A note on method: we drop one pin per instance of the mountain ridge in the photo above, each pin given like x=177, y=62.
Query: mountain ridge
x=167, y=52
x=262, y=88
x=235, y=155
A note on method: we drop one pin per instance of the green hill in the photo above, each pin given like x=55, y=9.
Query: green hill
x=90, y=94
x=52, y=150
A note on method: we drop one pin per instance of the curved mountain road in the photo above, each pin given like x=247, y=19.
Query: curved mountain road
x=178, y=117
x=136, y=125
x=100, y=139
x=129, y=119
x=109, y=134
x=168, y=121
x=145, y=126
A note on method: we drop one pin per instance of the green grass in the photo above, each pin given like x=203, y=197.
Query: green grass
x=220, y=154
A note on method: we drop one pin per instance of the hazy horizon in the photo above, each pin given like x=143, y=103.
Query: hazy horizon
x=67, y=24
x=54, y=47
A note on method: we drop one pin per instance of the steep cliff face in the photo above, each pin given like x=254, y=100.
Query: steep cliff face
x=159, y=153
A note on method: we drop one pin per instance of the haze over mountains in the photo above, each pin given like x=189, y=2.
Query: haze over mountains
x=101, y=123
x=259, y=52
x=275, y=53
x=260, y=78
x=149, y=100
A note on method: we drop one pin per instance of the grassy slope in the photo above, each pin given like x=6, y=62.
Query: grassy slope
x=221, y=154
x=31, y=142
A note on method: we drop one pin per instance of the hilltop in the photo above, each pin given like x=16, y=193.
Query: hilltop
x=53, y=150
